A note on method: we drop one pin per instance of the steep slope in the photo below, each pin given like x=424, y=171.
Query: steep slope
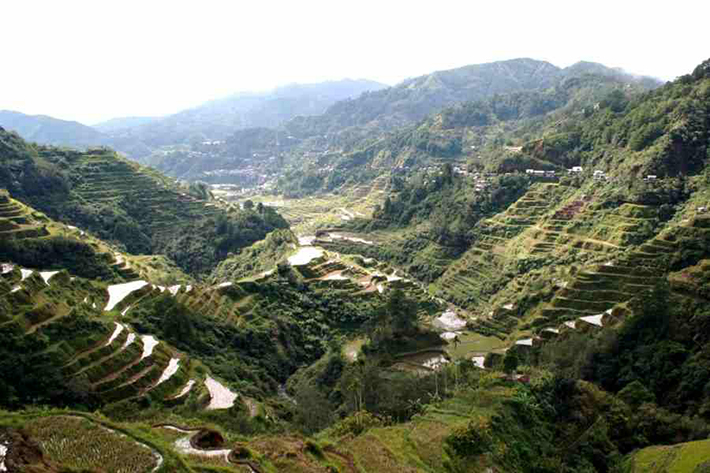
x=105, y=340
x=479, y=133
x=416, y=98
x=587, y=287
x=51, y=131
x=526, y=250
x=119, y=201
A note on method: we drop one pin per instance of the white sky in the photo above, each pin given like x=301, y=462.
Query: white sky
x=96, y=59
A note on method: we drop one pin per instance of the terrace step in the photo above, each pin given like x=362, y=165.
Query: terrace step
x=579, y=304
x=115, y=348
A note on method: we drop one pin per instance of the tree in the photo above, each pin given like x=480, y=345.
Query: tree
x=388, y=206
x=510, y=362
x=402, y=311
x=248, y=205
x=447, y=174
x=397, y=317
x=313, y=412
x=635, y=394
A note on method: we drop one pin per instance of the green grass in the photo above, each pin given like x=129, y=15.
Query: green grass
x=472, y=342
x=691, y=457
x=80, y=443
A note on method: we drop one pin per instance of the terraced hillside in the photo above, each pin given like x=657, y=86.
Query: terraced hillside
x=123, y=349
x=123, y=203
x=34, y=240
x=688, y=457
x=15, y=222
x=61, y=320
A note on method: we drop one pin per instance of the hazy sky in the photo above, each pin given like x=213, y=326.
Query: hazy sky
x=97, y=59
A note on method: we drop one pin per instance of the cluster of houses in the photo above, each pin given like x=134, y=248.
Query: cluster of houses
x=540, y=173
x=326, y=169
x=480, y=181
x=480, y=177
x=460, y=170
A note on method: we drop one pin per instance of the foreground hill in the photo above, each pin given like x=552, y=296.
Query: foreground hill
x=121, y=202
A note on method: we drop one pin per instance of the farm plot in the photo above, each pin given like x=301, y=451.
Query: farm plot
x=79, y=443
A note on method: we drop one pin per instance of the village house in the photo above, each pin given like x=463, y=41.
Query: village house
x=599, y=175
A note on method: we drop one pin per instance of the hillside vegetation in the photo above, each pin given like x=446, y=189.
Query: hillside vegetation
x=121, y=202
x=514, y=284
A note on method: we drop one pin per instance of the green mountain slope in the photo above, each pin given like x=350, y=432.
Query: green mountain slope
x=121, y=202
x=479, y=133
x=688, y=457
x=415, y=99
x=351, y=132
x=527, y=255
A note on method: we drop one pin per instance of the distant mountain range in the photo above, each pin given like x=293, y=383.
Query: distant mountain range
x=226, y=135
x=121, y=123
x=51, y=131
x=414, y=99
x=218, y=119
x=365, y=123
x=214, y=120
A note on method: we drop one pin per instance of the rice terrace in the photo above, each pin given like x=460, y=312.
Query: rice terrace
x=218, y=254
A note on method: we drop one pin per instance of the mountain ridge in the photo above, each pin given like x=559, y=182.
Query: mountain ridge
x=50, y=130
x=352, y=125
